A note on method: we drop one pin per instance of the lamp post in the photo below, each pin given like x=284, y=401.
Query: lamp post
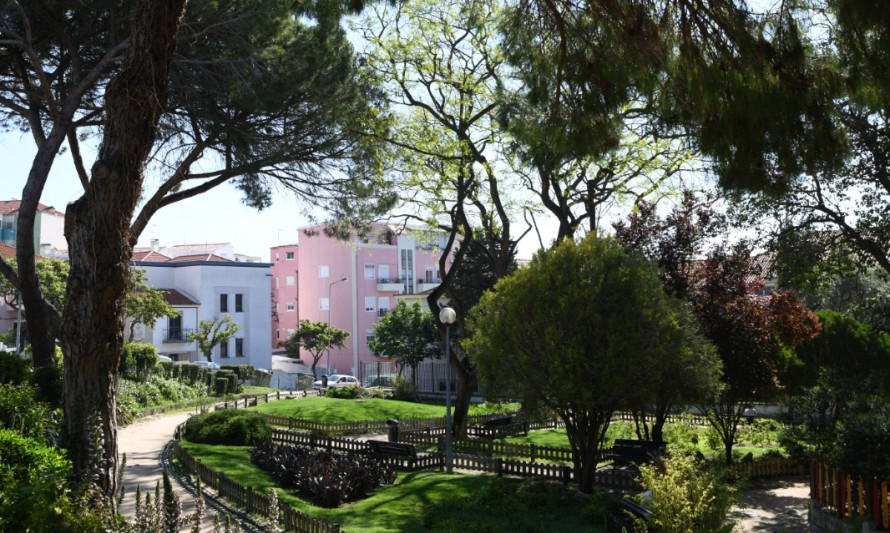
x=330, y=286
x=447, y=316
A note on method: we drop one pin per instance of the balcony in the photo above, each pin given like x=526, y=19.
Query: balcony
x=383, y=312
x=389, y=285
x=177, y=335
x=427, y=284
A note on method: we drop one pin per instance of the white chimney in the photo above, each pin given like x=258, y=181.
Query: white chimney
x=45, y=249
x=155, y=244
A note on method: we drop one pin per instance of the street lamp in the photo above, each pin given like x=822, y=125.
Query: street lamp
x=447, y=316
x=330, y=285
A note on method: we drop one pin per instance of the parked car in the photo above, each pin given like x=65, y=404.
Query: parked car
x=164, y=359
x=337, y=380
x=383, y=381
x=206, y=364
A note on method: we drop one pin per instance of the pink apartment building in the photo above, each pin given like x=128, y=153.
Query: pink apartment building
x=386, y=265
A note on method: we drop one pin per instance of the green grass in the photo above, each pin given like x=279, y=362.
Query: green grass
x=433, y=502
x=338, y=410
x=254, y=390
x=556, y=438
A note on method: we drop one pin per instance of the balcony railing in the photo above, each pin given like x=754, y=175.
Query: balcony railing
x=390, y=284
x=177, y=335
x=383, y=312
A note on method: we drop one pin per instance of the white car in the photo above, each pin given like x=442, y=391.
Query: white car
x=164, y=359
x=337, y=380
x=207, y=364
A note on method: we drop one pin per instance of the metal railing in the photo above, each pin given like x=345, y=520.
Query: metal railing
x=177, y=335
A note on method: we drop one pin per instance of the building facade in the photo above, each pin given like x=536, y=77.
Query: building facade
x=350, y=282
x=203, y=287
x=49, y=228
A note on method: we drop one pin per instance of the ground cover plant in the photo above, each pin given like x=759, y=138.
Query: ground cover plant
x=345, y=410
x=326, y=479
x=425, y=502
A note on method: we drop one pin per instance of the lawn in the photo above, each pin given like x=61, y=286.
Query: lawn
x=434, y=502
x=758, y=440
x=338, y=410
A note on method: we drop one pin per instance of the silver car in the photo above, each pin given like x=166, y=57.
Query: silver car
x=337, y=380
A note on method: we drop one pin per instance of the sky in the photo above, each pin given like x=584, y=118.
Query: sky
x=217, y=216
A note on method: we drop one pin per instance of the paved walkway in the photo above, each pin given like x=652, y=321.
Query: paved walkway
x=777, y=505
x=143, y=443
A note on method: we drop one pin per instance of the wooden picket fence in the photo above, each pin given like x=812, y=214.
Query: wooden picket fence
x=849, y=496
x=249, y=500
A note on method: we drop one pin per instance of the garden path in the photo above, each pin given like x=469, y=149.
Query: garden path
x=777, y=505
x=143, y=442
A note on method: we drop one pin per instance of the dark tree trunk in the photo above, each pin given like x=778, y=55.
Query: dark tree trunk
x=586, y=434
x=97, y=229
x=466, y=384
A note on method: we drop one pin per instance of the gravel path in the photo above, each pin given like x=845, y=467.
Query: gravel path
x=777, y=505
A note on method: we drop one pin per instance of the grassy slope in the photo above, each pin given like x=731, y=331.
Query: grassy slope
x=337, y=410
x=431, y=501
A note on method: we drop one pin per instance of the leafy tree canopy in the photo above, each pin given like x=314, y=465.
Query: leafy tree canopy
x=211, y=333
x=315, y=338
x=407, y=334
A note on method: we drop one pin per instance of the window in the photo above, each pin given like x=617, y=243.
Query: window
x=224, y=349
x=383, y=305
x=383, y=273
x=276, y=308
x=290, y=306
x=239, y=303
x=289, y=256
x=369, y=271
x=290, y=332
x=369, y=336
x=223, y=303
x=239, y=347
x=429, y=275
x=276, y=283
x=277, y=333
x=276, y=256
x=324, y=304
x=323, y=271
x=174, y=328
x=289, y=280
x=370, y=303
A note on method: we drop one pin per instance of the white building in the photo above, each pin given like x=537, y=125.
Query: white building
x=205, y=287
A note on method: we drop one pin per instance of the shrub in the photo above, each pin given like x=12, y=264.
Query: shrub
x=403, y=389
x=20, y=411
x=13, y=368
x=324, y=478
x=242, y=372
x=345, y=393
x=228, y=427
x=138, y=358
x=685, y=495
x=48, y=384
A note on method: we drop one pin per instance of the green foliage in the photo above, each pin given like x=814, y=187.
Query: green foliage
x=315, y=338
x=242, y=372
x=596, y=317
x=48, y=382
x=687, y=496
x=210, y=333
x=403, y=389
x=157, y=390
x=138, y=358
x=345, y=393
x=407, y=334
x=228, y=427
x=20, y=411
x=142, y=304
x=13, y=368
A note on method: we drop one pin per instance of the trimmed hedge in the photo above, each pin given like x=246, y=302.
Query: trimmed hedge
x=229, y=427
x=242, y=372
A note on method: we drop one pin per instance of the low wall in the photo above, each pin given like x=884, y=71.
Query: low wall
x=822, y=521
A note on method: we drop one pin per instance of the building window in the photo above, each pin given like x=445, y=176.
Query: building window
x=290, y=306
x=429, y=275
x=239, y=347
x=369, y=271
x=276, y=283
x=383, y=273
x=369, y=336
x=276, y=256
x=370, y=303
x=276, y=308
x=223, y=303
x=277, y=333
x=289, y=256
x=383, y=305
x=289, y=280
x=224, y=350
x=174, y=328
x=323, y=304
x=239, y=303
x=323, y=271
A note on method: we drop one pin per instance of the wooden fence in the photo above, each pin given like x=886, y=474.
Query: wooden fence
x=849, y=496
x=245, y=497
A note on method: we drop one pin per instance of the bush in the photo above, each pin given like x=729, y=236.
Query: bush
x=242, y=372
x=324, y=478
x=403, y=389
x=138, y=358
x=13, y=368
x=685, y=495
x=344, y=393
x=49, y=382
x=229, y=427
x=20, y=411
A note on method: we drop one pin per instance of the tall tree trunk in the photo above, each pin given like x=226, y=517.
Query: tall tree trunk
x=97, y=229
x=466, y=384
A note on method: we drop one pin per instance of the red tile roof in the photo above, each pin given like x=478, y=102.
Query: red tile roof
x=200, y=257
x=7, y=251
x=149, y=255
x=174, y=297
x=8, y=207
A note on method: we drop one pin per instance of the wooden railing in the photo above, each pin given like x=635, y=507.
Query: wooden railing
x=850, y=496
x=245, y=497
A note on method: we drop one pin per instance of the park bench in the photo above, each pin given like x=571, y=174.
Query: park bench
x=386, y=449
x=635, y=451
x=625, y=518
